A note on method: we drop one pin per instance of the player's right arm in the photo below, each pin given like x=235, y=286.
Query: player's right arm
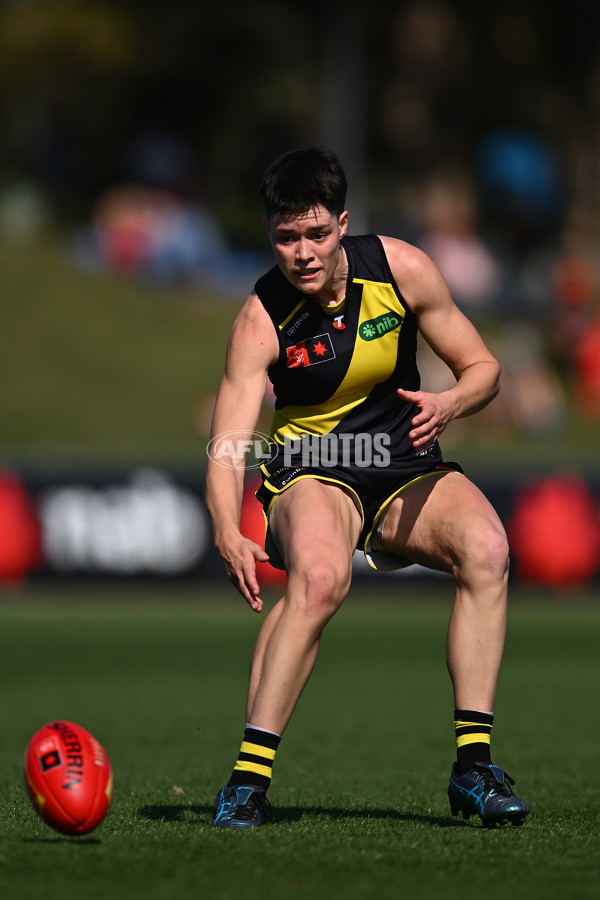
x=252, y=348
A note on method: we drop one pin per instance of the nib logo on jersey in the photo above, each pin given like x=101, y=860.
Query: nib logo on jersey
x=376, y=328
x=311, y=351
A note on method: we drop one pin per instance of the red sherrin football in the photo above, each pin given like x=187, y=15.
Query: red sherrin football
x=69, y=777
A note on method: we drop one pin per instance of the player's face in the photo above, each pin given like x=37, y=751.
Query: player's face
x=308, y=252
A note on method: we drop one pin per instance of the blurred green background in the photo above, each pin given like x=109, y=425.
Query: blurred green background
x=134, y=135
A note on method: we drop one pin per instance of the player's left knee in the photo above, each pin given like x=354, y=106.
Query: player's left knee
x=488, y=550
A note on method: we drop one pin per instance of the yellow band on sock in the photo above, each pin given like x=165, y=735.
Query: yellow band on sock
x=482, y=738
x=243, y=765
x=257, y=750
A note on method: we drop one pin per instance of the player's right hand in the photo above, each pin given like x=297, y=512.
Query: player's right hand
x=240, y=564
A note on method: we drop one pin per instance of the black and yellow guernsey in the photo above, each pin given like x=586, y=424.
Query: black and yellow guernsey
x=339, y=367
x=335, y=382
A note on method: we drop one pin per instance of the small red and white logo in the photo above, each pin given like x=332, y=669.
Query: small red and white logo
x=307, y=353
x=338, y=322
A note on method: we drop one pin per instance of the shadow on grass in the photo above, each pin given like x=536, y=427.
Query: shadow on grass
x=66, y=839
x=285, y=814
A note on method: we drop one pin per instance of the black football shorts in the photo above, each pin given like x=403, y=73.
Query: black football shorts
x=372, y=489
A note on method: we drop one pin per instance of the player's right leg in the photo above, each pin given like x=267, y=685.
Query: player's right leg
x=315, y=526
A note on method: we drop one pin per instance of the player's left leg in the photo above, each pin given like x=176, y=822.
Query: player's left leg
x=445, y=522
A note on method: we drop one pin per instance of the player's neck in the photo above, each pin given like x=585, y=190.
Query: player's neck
x=332, y=294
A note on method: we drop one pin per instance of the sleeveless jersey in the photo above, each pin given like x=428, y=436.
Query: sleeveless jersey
x=338, y=368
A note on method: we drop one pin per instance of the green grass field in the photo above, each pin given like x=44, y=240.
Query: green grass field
x=361, y=775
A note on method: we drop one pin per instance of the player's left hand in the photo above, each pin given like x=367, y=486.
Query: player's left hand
x=434, y=414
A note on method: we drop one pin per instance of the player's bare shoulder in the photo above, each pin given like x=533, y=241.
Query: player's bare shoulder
x=253, y=332
x=417, y=276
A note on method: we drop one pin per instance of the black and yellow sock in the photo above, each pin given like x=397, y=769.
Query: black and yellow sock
x=473, y=731
x=255, y=760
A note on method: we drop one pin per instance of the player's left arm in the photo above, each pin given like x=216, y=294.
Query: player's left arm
x=452, y=337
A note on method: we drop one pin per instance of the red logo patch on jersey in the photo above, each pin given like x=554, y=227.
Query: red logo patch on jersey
x=338, y=322
x=307, y=353
x=297, y=356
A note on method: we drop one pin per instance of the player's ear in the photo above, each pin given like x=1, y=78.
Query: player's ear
x=267, y=226
x=343, y=222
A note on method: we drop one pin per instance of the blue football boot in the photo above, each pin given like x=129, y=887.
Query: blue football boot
x=241, y=806
x=485, y=791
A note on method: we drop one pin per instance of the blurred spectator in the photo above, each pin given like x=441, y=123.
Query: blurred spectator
x=449, y=211
x=532, y=392
x=576, y=291
x=532, y=399
x=154, y=234
x=520, y=185
x=150, y=231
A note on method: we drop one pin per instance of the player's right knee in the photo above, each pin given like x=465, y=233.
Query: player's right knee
x=322, y=585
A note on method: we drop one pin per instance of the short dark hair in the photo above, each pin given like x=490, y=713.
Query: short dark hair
x=302, y=179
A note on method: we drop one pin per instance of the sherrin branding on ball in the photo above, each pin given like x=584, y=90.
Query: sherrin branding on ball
x=69, y=777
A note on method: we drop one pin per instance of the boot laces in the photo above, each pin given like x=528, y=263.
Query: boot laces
x=257, y=800
x=493, y=783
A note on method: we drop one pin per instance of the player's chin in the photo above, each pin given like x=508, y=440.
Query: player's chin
x=309, y=283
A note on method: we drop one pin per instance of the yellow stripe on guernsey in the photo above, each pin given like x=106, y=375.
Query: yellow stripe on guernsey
x=282, y=325
x=369, y=357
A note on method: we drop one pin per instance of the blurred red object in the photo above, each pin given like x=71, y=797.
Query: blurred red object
x=20, y=533
x=587, y=368
x=575, y=278
x=252, y=525
x=555, y=532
